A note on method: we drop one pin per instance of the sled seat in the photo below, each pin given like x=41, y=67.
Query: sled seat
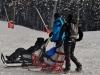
x=39, y=51
x=37, y=54
x=52, y=64
x=35, y=58
x=26, y=58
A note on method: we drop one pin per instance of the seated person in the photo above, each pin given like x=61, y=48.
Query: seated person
x=51, y=55
x=30, y=50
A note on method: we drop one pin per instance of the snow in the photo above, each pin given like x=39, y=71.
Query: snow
x=87, y=51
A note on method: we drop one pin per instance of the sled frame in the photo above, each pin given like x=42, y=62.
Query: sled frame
x=55, y=67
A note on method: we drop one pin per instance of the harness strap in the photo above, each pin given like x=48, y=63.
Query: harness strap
x=56, y=60
x=60, y=53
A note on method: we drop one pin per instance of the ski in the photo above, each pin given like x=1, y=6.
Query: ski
x=16, y=64
x=18, y=67
x=38, y=70
x=14, y=67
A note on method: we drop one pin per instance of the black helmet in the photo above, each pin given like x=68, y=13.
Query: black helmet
x=39, y=40
x=56, y=15
x=70, y=18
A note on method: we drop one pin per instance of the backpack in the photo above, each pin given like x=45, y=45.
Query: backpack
x=73, y=30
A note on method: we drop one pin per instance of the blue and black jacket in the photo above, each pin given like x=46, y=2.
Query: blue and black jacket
x=58, y=23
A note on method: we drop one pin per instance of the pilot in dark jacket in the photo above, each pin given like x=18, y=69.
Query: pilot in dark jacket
x=69, y=44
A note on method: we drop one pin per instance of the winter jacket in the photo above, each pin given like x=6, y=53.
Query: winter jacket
x=66, y=28
x=58, y=23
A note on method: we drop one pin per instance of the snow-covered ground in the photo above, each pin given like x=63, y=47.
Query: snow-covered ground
x=87, y=51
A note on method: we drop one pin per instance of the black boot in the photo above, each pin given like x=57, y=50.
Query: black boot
x=9, y=58
x=66, y=71
x=78, y=69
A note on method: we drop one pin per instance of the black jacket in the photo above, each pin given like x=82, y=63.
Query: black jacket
x=66, y=28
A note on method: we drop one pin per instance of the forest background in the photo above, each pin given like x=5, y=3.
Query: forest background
x=24, y=12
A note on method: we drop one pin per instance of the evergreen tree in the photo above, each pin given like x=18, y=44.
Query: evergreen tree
x=26, y=14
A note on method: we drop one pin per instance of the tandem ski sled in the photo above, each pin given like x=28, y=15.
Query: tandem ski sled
x=53, y=63
x=25, y=59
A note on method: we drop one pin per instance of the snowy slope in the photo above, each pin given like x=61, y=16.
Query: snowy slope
x=87, y=51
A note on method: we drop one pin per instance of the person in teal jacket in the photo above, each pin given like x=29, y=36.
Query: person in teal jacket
x=58, y=23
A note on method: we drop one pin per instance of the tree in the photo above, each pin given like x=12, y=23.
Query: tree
x=26, y=14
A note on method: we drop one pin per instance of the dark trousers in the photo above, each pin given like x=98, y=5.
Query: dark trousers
x=58, y=42
x=18, y=52
x=69, y=54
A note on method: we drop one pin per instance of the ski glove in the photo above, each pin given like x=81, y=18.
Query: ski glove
x=79, y=39
x=50, y=34
x=80, y=34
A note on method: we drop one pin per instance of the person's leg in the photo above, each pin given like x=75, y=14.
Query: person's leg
x=42, y=56
x=73, y=58
x=58, y=42
x=15, y=54
x=67, y=47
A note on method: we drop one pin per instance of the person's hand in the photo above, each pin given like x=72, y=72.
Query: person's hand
x=50, y=34
x=79, y=39
x=60, y=38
